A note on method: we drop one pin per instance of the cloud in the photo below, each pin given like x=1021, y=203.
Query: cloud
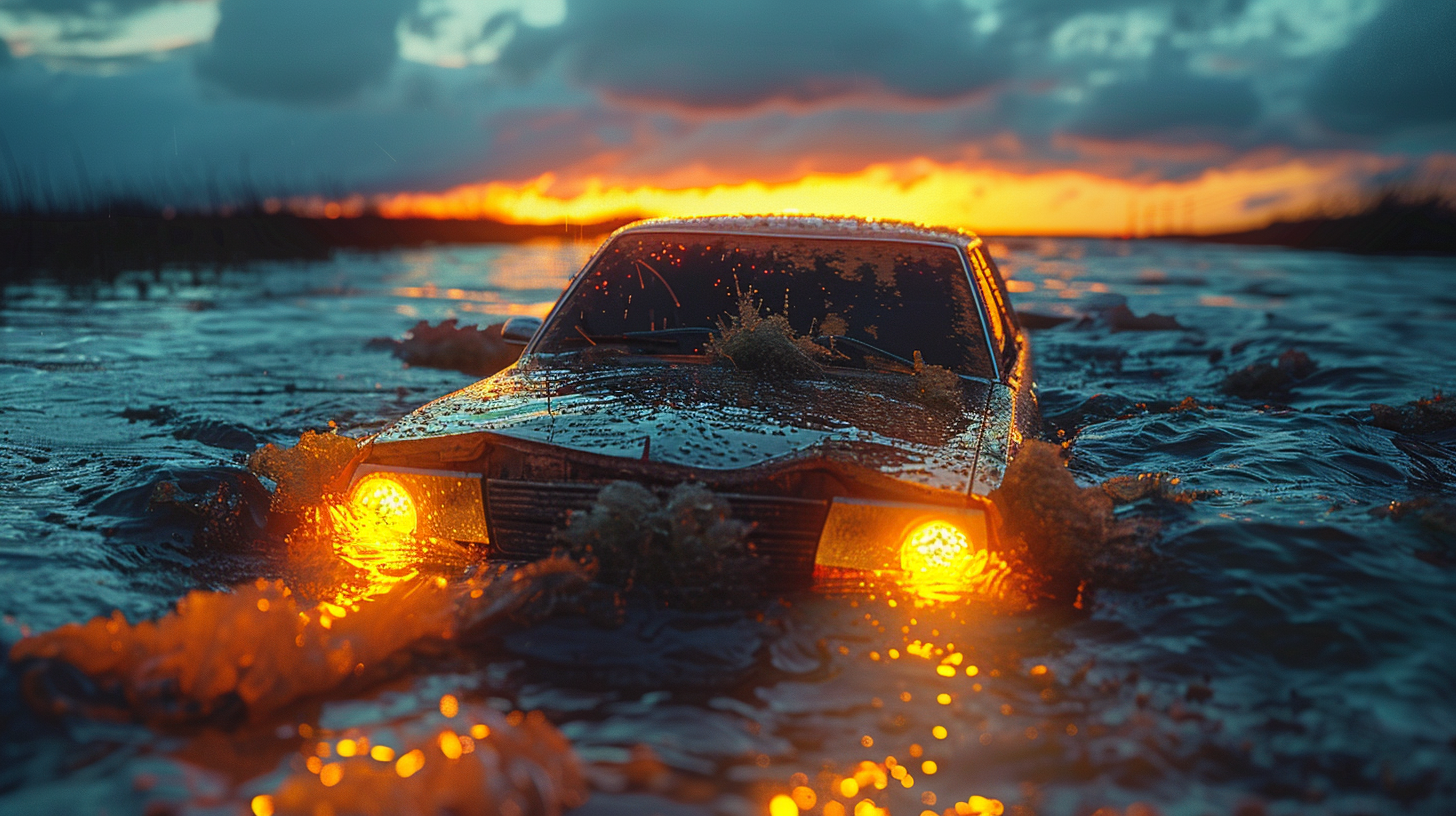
x=693, y=93
x=739, y=53
x=1169, y=100
x=103, y=34
x=302, y=51
x=5, y=56
x=82, y=8
x=152, y=132
x=1398, y=72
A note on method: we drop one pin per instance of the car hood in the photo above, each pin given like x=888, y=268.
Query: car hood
x=716, y=418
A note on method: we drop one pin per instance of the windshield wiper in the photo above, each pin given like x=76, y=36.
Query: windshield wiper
x=667, y=333
x=656, y=337
x=835, y=340
x=866, y=349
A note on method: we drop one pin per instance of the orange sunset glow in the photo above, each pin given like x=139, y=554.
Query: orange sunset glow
x=1054, y=202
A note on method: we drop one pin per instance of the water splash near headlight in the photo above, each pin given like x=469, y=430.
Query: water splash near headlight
x=263, y=647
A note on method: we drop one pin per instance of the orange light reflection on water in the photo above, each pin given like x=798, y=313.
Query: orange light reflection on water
x=939, y=561
x=920, y=640
x=476, y=761
x=940, y=566
x=477, y=300
x=371, y=536
x=913, y=609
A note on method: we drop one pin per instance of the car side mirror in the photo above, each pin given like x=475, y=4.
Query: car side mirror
x=520, y=330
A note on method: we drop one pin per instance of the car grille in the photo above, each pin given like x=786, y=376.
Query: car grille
x=523, y=516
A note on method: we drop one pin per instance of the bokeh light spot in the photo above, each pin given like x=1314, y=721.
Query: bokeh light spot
x=782, y=805
x=410, y=764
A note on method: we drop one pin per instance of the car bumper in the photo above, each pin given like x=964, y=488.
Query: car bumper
x=518, y=519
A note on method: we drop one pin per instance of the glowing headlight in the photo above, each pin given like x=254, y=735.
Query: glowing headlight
x=380, y=500
x=940, y=545
x=939, y=552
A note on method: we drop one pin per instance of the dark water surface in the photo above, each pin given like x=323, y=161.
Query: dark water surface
x=1294, y=653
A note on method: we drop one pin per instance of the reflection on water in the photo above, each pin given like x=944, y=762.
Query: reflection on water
x=465, y=759
x=373, y=531
x=920, y=655
x=1286, y=653
x=939, y=563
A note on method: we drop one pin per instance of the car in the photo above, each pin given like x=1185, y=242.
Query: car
x=878, y=454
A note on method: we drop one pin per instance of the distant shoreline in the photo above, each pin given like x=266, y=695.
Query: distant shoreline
x=1392, y=224
x=94, y=246
x=102, y=244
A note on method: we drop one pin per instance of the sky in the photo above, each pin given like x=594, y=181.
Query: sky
x=1009, y=116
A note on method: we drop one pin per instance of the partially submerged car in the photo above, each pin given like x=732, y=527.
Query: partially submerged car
x=876, y=455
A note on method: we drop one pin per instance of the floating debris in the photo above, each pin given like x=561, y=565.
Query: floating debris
x=1162, y=487
x=1434, y=514
x=1036, y=320
x=936, y=386
x=1104, y=407
x=644, y=771
x=687, y=549
x=1058, y=522
x=1157, y=277
x=1429, y=415
x=1269, y=379
x=467, y=349
x=767, y=346
x=1068, y=533
x=1119, y=318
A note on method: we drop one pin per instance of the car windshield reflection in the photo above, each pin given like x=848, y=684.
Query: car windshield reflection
x=874, y=303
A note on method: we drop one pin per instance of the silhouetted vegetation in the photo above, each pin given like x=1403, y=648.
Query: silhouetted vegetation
x=105, y=240
x=1394, y=221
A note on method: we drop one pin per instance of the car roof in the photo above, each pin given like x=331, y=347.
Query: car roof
x=816, y=226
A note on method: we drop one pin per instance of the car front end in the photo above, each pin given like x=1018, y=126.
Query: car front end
x=866, y=464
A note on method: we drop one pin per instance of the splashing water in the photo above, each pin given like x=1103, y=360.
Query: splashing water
x=259, y=647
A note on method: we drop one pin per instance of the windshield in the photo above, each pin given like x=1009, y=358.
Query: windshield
x=667, y=293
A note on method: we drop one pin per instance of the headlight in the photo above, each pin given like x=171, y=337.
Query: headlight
x=936, y=551
x=932, y=544
x=383, y=501
x=401, y=501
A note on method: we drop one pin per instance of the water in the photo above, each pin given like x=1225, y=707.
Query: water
x=1291, y=653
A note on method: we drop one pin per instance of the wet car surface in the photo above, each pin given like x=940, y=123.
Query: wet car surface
x=628, y=379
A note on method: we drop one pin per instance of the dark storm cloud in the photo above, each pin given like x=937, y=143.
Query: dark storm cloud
x=673, y=93
x=737, y=53
x=1185, y=14
x=1398, y=72
x=144, y=133
x=1167, y=102
x=83, y=19
x=302, y=50
x=80, y=7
